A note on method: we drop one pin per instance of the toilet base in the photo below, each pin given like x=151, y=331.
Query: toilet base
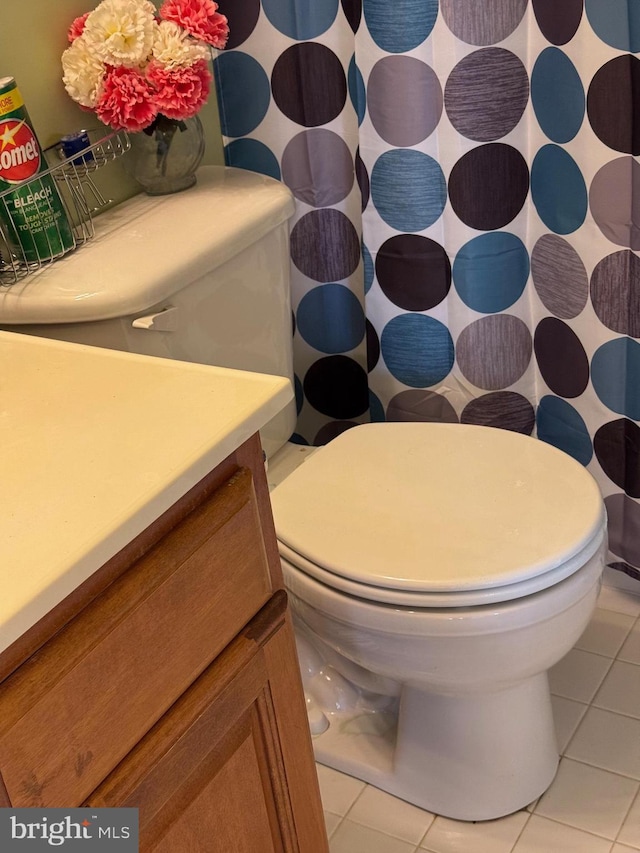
x=473, y=757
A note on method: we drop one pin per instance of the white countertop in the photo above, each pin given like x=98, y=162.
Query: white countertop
x=94, y=445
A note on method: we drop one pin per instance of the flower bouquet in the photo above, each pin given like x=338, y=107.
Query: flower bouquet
x=142, y=70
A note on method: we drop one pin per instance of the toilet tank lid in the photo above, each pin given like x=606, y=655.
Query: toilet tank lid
x=438, y=507
x=149, y=247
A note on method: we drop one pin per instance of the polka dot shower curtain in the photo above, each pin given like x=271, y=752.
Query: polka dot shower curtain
x=468, y=215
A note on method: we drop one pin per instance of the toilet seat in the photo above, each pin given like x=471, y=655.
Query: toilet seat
x=438, y=515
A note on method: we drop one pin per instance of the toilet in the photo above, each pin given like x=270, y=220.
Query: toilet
x=436, y=571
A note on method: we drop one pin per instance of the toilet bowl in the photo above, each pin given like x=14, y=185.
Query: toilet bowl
x=437, y=572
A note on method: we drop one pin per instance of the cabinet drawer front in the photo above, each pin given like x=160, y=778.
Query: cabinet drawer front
x=70, y=714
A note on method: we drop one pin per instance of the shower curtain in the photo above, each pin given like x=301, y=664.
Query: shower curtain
x=468, y=216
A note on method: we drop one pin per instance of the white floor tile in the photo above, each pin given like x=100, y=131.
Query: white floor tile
x=546, y=836
x=630, y=832
x=630, y=650
x=566, y=716
x=381, y=811
x=491, y=836
x=331, y=821
x=620, y=690
x=588, y=798
x=606, y=632
x=607, y=740
x=337, y=790
x=620, y=600
x=352, y=837
x=578, y=675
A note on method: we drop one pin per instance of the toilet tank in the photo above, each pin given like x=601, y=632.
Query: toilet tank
x=201, y=275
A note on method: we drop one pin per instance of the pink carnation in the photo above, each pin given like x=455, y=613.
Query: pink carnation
x=77, y=27
x=198, y=17
x=127, y=101
x=180, y=92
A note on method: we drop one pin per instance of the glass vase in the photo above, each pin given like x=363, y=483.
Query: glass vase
x=164, y=157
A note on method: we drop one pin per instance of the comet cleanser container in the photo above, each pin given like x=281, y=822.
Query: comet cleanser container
x=32, y=215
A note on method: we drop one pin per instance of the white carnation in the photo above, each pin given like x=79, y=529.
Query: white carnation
x=82, y=74
x=121, y=32
x=173, y=46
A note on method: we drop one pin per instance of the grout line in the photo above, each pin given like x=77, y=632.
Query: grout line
x=524, y=825
x=628, y=812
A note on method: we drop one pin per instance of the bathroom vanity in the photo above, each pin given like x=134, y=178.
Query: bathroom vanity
x=146, y=651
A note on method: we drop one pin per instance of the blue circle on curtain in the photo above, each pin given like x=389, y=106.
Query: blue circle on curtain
x=557, y=95
x=244, y=89
x=402, y=27
x=615, y=374
x=357, y=90
x=369, y=268
x=252, y=155
x=408, y=189
x=301, y=19
x=376, y=409
x=491, y=271
x=417, y=349
x=558, y=423
x=616, y=22
x=558, y=190
x=330, y=318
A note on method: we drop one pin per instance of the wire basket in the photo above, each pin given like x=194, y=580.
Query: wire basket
x=67, y=198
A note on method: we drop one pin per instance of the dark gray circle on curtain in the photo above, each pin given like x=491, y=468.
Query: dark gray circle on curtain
x=562, y=360
x=559, y=276
x=502, y=409
x=362, y=177
x=337, y=387
x=558, y=22
x=325, y=245
x=488, y=186
x=615, y=292
x=414, y=272
x=421, y=405
x=486, y=94
x=617, y=448
x=494, y=352
x=318, y=168
x=613, y=104
x=485, y=22
x=332, y=430
x=242, y=16
x=373, y=345
x=353, y=12
x=309, y=84
x=614, y=199
x=394, y=123
x=624, y=527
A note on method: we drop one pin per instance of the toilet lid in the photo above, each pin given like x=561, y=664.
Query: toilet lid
x=408, y=508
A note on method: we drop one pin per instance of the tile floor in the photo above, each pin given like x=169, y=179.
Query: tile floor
x=593, y=805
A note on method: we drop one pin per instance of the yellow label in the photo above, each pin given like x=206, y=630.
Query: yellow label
x=10, y=102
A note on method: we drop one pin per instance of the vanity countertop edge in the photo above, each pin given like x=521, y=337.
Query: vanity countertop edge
x=95, y=445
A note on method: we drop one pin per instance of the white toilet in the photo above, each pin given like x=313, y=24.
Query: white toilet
x=436, y=571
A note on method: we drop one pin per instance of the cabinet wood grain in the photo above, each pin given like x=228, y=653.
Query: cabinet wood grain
x=170, y=684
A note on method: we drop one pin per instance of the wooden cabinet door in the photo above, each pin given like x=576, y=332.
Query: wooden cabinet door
x=210, y=776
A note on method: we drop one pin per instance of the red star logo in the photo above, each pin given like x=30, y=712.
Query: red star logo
x=86, y=822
